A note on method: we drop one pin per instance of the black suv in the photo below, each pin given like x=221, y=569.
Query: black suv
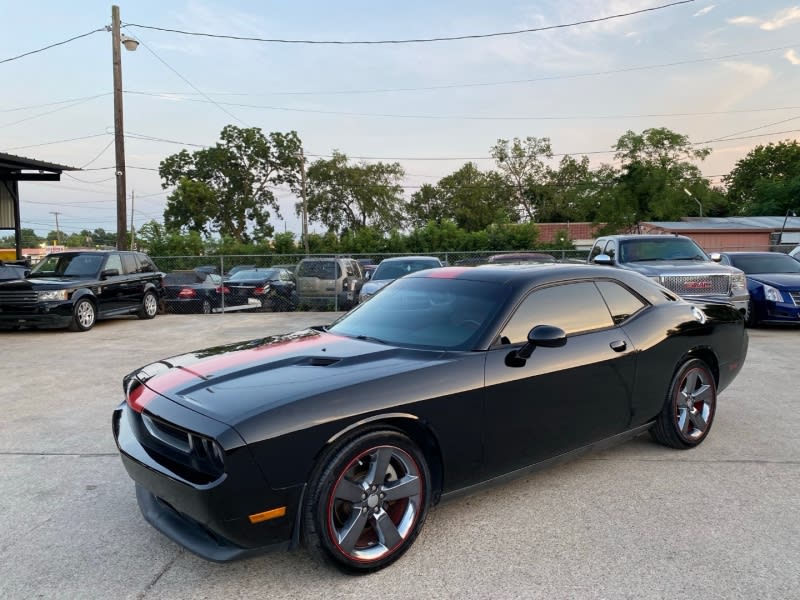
x=75, y=289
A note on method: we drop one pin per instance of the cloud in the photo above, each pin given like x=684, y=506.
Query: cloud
x=744, y=20
x=705, y=11
x=792, y=57
x=782, y=19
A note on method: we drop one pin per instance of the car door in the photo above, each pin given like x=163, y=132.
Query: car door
x=560, y=398
x=112, y=290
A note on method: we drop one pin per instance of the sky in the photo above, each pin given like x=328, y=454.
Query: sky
x=708, y=69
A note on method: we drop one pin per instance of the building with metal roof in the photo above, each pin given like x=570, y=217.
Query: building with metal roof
x=716, y=234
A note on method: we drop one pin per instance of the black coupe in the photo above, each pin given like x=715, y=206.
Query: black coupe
x=342, y=437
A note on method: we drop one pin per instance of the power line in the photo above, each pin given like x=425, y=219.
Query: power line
x=93, y=182
x=476, y=117
x=411, y=40
x=99, y=154
x=72, y=39
x=450, y=86
x=193, y=86
x=67, y=101
x=74, y=139
x=50, y=112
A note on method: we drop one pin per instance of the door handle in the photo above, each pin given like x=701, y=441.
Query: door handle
x=618, y=345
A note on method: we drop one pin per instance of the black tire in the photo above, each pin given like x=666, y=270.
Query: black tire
x=689, y=407
x=149, y=307
x=84, y=315
x=751, y=320
x=205, y=308
x=347, y=518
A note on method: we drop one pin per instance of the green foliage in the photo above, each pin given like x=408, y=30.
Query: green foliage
x=522, y=167
x=227, y=189
x=766, y=181
x=283, y=243
x=348, y=197
x=28, y=239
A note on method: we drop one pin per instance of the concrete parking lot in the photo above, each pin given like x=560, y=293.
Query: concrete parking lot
x=636, y=521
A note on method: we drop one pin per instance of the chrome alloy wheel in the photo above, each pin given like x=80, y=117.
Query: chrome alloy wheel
x=375, y=503
x=694, y=403
x=150, y=305
x=84, y=314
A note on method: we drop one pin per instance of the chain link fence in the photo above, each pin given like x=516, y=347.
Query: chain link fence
x=269, y=282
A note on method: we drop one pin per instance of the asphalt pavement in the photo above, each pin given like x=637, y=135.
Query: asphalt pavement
x=636, y=521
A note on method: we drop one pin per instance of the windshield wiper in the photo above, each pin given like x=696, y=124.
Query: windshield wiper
x=368, y=338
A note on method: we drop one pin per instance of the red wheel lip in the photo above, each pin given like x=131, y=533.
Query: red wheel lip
x=328, y=517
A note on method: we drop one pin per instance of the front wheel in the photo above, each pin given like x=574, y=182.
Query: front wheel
x=689, y=407
x=368, y=503
x=751, y=320
x=83, y=315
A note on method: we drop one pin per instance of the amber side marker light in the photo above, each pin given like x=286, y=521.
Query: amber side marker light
x=267, y=515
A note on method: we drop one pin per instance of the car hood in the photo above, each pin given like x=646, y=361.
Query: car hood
x=373, y=286
x=234, y=382
x=778, y=280
x=682, y=267
x=46, y=283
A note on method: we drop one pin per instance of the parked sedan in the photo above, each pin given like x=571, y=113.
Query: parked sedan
x=197, y=291
x=393, y=268
x=773, y=280
x=274, y=289
x=449, y=379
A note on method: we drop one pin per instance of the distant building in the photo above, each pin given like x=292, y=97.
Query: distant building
x=717, y=234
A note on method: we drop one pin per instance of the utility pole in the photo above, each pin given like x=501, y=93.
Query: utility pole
x=119, y=131
x=305, y=201
x=58, y=230
x=133, y=232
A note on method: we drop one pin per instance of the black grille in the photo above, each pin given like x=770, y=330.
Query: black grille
x=18, y=297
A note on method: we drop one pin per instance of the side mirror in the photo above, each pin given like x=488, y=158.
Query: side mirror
x=603, y=259
x=715, y=256
x=546, y=336
x=109, y=273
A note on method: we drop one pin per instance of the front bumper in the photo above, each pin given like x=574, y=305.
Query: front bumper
x=48, y=314
x=211, y=519
x=768, y=311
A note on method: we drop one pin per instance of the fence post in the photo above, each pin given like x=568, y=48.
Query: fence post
x=222, y=285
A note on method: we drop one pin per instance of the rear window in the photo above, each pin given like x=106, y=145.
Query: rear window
x=396, y=269
x=184, y=277
x=321, y=269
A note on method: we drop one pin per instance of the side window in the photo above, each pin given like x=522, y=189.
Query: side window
x=145, y=264
x=611, y=249
x=622, y=303
x=574, y=307
x=351, y=272
x=129, y=264
x=114, y=262
x=596, y=250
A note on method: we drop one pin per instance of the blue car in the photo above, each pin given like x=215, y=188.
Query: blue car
x=773, y=280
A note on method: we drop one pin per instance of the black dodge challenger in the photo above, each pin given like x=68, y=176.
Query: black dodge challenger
x=342, y=437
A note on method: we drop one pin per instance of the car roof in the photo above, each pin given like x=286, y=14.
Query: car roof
x=752, y=253
x=523, y=274
x=405, y=258
x=636, y=236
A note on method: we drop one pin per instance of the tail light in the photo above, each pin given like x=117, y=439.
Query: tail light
x=223, y=290
x=259, y=290
x=187, y=293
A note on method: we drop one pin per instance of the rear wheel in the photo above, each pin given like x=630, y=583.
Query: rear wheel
x=689, y=407
x=368, y=503
x=206, y=307
x=84, y=315
x=149, y=307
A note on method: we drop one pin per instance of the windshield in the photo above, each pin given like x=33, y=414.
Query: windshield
x=422, y=312
x=668, y=248
x=397, y=268
x=69, y=265
x=766, y=263
x=255, y=274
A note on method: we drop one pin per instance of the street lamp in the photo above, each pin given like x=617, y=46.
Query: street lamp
x=788, y=212
x=119, y=132
x=691, y=195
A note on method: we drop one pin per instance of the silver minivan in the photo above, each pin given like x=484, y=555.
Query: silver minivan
x=329, y=283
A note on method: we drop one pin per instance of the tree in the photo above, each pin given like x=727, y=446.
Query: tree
x=27, y=237
x=347, y=197
x=766, y=181
x=475, y=199
x=227, y=189
x=522, y=166
x=426, y=206
x=657, y=166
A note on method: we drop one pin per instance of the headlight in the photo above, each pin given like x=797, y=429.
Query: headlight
x=770, y=293
x=738, y=281
x=52, y=295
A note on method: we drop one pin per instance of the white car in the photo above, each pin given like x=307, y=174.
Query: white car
x=394, y=268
